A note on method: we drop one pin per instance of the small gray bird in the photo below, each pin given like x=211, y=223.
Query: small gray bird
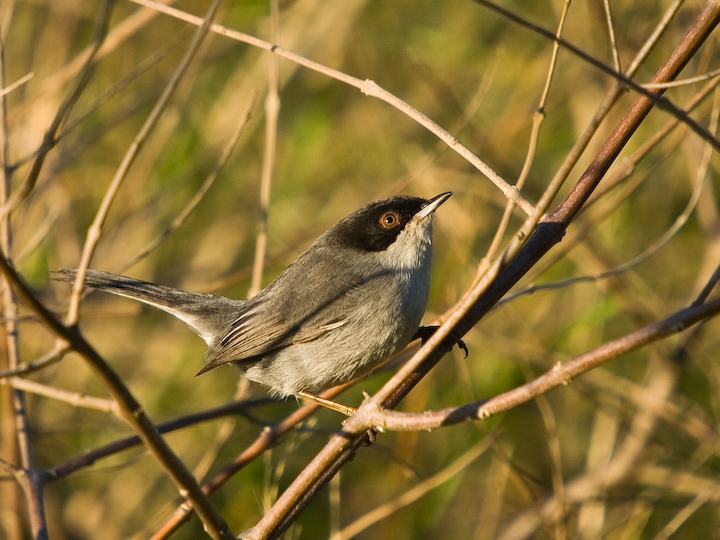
x=355, y=297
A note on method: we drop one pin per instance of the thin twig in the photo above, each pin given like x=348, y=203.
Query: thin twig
x=611, y=35
x=28, y=479
x=709, y=286
x=419, y=490
x=49, y=140
x=22, y=80
x=264, y=442
x=680, y=221
x=573, y=156
x=660, y=101
x=95, y=230
x=588, y=486
x=55, y=355
x=561, y=374
x=185, y=213
x=118, y=35
x=617, y=176
x=76, y=399
x=129, y=408
x=367, y=87
x=272, y=109
x=9, y=451
x=610, y=99
x=685, y=82
x=88, y=458
x=538, y=118
x=473, y=306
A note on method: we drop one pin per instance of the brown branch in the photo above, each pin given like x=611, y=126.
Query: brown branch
x=187, y=211
x=596, y=481
x=19, y=445
x=367, y=87
x=95, y=230
x=549, y=232
x=616, y=141
x=50, y=139
x=272, y=111
x=88, y=458
x=659, y=101
x=128, y=407
x=267, y=439
x=561, y=374
x=9, y=437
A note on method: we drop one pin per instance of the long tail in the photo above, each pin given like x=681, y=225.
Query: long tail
x=209, y=315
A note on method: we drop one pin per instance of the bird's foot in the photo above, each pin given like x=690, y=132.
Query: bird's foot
x=424, y=332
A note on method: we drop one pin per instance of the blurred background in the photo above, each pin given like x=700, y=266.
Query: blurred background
x=629, y=450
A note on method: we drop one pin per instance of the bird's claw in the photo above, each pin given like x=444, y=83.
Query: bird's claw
x=424, y=332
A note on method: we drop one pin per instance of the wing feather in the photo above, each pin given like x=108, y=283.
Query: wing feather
x=285, y=313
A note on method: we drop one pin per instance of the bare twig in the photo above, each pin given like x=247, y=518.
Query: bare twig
x=588, y=486
x=9, y=447
x=265, y=441
x=367, y=87
x=15, y=409
x=22, y=80
x=538, y=118
x=419, y=490
x=55, y=355
x=95, y=230
x=129, y=409
x=582, y=142
x=561, y=374
x=475, y=304
x=76, y=399
x=660, y=101
x=680, y=221
x=709, y=286
x=199, y=195
x=685, y=82
x=241, y=408
x=617, y=176
x=272, y=109
x=49, y=140
x=118, y=35
x=611, y=34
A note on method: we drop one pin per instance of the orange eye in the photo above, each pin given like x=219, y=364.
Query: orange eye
x=389, y=220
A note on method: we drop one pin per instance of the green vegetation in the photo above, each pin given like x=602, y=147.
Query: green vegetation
x=628, y=450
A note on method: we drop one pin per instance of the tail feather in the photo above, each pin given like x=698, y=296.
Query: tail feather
x=209, y=315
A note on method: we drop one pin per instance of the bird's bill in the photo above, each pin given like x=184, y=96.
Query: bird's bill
x=433, y=204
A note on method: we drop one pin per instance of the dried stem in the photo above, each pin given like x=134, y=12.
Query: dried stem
x=50, y=140
x=367, y=87
x=475, y=305
x=95, y=230
x=272, y=110
x=561, y=374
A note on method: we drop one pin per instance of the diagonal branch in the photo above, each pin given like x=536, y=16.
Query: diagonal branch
x=127, y=407
x=367, y=87
x=514, y=263
x=561, y=374
x=660, y=101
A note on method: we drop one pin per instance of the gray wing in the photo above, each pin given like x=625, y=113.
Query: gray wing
x=293, y=309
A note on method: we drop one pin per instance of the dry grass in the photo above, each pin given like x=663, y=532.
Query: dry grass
x=627, y=450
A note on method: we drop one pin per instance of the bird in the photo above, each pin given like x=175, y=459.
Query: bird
x=352, y=299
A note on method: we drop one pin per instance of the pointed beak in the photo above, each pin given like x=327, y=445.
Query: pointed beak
x=433, y=204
